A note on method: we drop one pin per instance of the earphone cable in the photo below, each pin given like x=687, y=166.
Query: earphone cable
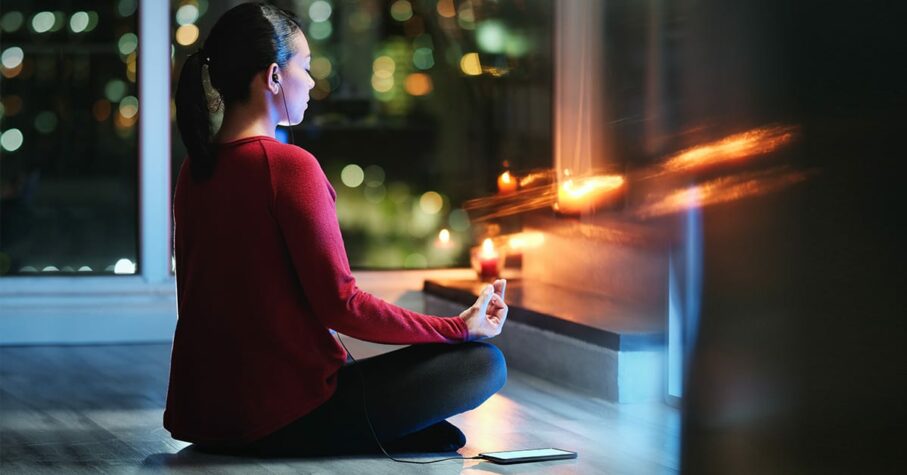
x=372, y=428
x=289, y=125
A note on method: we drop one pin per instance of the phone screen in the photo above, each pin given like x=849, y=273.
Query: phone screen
x=530, y=453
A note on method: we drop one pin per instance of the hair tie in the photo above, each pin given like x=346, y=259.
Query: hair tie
x=204, y=54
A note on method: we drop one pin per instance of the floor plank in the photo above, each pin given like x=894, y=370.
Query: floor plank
x=98, y=409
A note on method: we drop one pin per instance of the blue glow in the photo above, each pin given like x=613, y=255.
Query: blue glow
x=675, y=341
x=282, y=134
x=684, y=300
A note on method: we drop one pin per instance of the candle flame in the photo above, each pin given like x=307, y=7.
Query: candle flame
x=488, y=250
x=444, y=236
x=505, y=177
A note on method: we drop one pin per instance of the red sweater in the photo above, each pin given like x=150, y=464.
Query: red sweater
x=262, y=275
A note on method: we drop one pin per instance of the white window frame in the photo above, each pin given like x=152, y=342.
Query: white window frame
x=103, y=309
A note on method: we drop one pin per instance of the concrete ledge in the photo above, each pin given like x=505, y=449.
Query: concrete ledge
x=619, y=376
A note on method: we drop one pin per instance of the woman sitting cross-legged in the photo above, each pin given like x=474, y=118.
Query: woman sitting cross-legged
x=263, y=279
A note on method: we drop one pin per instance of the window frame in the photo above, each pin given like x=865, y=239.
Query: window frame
x=129, y=308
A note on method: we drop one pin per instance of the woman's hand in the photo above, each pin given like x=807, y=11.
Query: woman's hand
x=486, y=317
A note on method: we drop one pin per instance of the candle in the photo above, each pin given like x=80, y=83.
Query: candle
x=487, y=261
x=444, y=241
x=506, y=183
x=577, y=195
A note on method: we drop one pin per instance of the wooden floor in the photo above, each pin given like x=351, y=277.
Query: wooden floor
x=98, y=409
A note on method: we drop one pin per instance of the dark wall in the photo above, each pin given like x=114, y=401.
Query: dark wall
x=798, y=366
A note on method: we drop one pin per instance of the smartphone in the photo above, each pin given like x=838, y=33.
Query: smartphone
x=528, y=455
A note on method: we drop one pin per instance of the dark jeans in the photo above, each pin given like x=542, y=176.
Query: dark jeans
x=407, y=390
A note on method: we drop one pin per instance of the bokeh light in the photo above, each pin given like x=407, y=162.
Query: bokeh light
x=11, y=21
x=491, y=36
x=187, y=34
x=418, y=84
x=423, y=58
x=383, y=66
x=129, y=107
x=470, y=64
x=375, y=193
x=458, y=220
x=101, y=110
x=45, y=122
x=374, y=175
x=124, y=266
x=320, y=30
x=42, y=22
x=186, y=14
x=466, y=16
x=319, y=10
x=382, y=84
x=59, y=21
x=126, y=7
x=128, y=43
x=12, y=105
x=446, y=8
x=115, y=90
x=78, y=22
x=11, y=140
x=431, y=202
x=401, y=10
x=352, y=175
x=92, y=21
x=12, y=57
x=516, y=45
x=321, y=67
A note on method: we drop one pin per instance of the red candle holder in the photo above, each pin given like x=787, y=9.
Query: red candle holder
x=487, y=261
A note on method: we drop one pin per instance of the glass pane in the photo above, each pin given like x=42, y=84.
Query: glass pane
x=417, y=107
x=69, y=137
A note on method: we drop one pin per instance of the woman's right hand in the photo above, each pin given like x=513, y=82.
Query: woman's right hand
x=486, y=317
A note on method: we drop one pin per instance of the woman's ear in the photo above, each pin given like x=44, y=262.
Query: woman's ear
x=273, y=78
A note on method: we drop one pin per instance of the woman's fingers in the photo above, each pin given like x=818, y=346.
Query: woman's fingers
x=484, y=299
x=497, y=303
x=500, y=287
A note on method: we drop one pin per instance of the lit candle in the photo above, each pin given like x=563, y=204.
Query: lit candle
x=444, y=241
x=506, y=183
x=487, y=261
x=576, y=195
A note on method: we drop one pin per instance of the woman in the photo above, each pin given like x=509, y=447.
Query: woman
x=262, y=279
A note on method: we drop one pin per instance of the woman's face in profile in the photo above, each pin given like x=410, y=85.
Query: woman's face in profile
x=296, y=81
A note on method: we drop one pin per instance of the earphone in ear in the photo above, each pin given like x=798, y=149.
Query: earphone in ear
x=277, y=81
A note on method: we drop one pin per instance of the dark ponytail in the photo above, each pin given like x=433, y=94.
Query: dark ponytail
x=193, y=117
x=243, y=42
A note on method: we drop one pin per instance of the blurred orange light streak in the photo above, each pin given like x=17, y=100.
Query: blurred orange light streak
x=579, y=194
x=753, y=142
x=721, y=190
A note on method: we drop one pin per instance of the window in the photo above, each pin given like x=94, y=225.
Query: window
x=69, y=139
x=417, y=106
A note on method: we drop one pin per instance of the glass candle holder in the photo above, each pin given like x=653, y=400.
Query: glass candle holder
x=487, y=261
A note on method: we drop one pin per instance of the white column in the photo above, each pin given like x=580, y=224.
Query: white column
x=579, y=118
x=155, y=239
